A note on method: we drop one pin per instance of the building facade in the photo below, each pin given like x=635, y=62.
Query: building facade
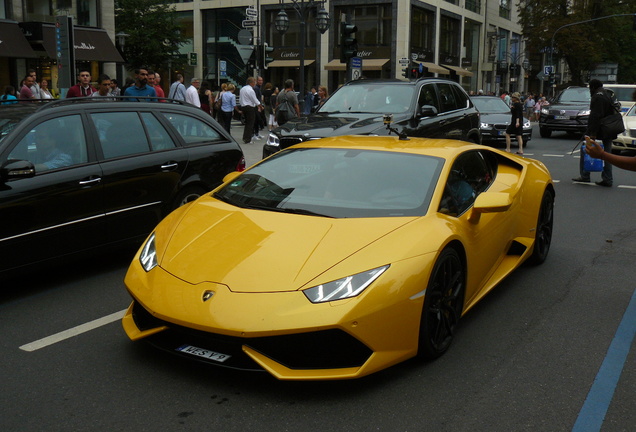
x=475, y=42
x=28, y=38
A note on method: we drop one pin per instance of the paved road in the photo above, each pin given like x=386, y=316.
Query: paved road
x=548, y=348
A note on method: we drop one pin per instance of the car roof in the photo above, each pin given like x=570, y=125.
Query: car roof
x=395, y=81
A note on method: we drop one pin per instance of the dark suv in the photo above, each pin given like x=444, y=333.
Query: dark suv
x=429, y=107
x=81, y=173
x=568, y=112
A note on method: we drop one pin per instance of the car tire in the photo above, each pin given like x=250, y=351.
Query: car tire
x=186, y=195
x=443, y=305
x=543, y=236
x=545, y=132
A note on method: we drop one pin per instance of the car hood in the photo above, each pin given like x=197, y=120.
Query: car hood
x=263, y=251
x=495, y=118
x=321, y=125
x=579, y=106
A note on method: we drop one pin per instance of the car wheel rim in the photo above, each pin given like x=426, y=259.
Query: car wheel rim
x=445, y=302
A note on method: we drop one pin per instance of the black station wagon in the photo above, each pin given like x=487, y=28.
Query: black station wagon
x=82, y=173
x=428, y=108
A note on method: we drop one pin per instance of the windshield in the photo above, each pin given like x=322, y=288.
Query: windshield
x=338, y=183
x=370, y=98
x=12, y=115
x=489, y=105
x=577, y=95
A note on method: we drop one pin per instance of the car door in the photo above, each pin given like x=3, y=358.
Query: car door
x=142, y=167
x=427, y=126
x=472, y=173
x=452, y=113
x=58, y=210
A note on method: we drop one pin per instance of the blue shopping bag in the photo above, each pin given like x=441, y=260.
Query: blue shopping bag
x=589, y=163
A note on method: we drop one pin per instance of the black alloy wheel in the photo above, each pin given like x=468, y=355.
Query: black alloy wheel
x=443, y=305
x=543, y=236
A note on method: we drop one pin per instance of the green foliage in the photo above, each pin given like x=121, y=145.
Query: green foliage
x=583, y=46
x=154, y=35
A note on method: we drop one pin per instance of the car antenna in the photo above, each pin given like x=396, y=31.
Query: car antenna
x=388, y=119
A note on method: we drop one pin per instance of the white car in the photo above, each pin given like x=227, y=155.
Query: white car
x=627, y=139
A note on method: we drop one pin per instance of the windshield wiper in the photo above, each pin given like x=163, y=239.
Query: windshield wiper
x=301, y=211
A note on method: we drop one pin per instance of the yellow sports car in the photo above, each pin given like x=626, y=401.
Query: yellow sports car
x=339, y=257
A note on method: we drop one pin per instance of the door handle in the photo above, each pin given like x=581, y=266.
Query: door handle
x=90, y=181
x=169, y=166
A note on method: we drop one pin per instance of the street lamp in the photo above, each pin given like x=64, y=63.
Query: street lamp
x=121, y=40
x=281, y=23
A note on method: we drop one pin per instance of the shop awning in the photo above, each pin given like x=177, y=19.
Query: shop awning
x=288, y=63
x=459, y=70
x=90, y=45
x=435, y=68
x=12, y=41
x=367, y=64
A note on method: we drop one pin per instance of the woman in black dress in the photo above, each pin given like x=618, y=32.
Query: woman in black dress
x=516, y=123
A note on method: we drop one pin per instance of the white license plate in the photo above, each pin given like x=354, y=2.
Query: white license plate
x=200, y=352
x=561, y=117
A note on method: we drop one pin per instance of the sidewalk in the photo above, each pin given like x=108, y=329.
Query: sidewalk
x=253, y=152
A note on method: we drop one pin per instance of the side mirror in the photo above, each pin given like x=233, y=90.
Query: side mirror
x=231, y=176
x=15, y=169
x=490, y=202
x=428, y=111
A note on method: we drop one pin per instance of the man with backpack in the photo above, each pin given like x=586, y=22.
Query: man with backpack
x=602, y=104
x=287, y=104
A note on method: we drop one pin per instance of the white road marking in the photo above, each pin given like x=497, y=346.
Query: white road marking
x=626, y=187
x=553, y=155
x=67, y=334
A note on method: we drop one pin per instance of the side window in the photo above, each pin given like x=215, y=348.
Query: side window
x=471, y=174
x=53, y=144
x=120, y=133
x=428, y=96
x=193, y=130
x=159, y=138
x=461, y=97
x=447, y=97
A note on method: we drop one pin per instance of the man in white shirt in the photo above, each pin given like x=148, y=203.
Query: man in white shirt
x=192, y=93
x=249, y=104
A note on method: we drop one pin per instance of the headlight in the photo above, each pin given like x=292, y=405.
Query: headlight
x=273, y=140
x=584, y=113
x=347, y=287
x=527, y=125
x=148, y=256
x=485, y=126
x=545, y=111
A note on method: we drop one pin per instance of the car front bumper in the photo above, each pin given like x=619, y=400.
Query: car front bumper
x=282, y=333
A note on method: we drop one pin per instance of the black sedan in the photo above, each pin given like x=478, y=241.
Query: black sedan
x=495, y=117
x=78, y=174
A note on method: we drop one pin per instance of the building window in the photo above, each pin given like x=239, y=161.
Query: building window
x=39, y=10
x=87, y=13
x=455, y=2
x=504, y=9
x=450, y=32
x=423, y=34
x=473, y=5
x=373, y=23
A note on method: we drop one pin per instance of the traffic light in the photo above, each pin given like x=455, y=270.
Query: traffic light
x=267, y=59
x=348, y=42
x=405, y=72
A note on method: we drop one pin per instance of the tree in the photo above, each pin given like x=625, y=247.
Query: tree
x=154, y=35
x=582, y=46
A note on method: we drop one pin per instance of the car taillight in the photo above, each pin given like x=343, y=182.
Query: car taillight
x=241, y=165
